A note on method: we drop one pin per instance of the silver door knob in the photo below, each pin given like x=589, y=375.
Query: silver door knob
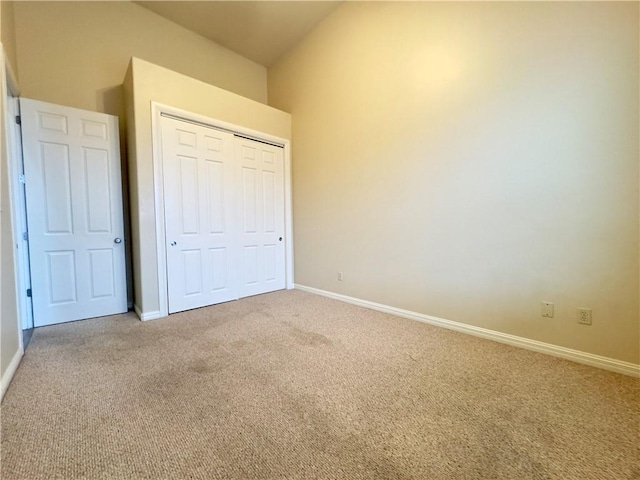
x=117, y=240
x=173, y=244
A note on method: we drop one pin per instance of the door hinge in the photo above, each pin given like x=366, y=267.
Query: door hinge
x=25, y=236
x=18, y=120
x=29, y=292
x=22, y=179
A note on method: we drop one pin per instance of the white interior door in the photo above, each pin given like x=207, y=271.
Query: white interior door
x=224, y=215
x=260, y=203
x=74, y=211
x=197, y=164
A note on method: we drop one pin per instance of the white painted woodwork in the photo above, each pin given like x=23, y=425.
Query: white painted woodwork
x=260, y=184
x=224, y=212
x=74, y=211
x=585, y=358
x=199, y=217
x=18, y=202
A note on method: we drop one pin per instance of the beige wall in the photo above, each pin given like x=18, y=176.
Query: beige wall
x=8, y=34
x=9, y=328
x=143, y=84
x=469, y=160
x=76, y=53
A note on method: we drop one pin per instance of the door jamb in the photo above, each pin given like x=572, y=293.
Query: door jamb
x=156, y=111
x=18, y=200
x=18, y=211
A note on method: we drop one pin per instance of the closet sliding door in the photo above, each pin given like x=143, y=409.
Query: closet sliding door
x=260, y=185
x=198, y=179
x=224, y=215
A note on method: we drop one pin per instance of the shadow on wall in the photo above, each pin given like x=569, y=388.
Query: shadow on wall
x=111, y=101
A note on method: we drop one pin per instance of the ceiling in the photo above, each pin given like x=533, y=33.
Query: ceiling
x=259, y=30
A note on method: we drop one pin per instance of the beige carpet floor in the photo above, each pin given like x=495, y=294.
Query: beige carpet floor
x=290, y=385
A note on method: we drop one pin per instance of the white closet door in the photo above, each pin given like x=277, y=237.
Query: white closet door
x=260, y=203
x=199, y=218
x=74, y=210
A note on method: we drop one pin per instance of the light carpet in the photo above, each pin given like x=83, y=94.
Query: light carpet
x=290, y=385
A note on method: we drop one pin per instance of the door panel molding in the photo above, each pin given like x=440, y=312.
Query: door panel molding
x=75, y=212
x=198, y=196
x=260, y=207
x=161, y=246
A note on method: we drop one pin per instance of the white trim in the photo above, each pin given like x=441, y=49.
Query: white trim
x=288, y=217
x=146, y=316
x=10, y=371
x=158, y=185
x=606, y=363
x=18, y=208
x=158, y=190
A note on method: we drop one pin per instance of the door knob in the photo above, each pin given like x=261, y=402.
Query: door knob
x=117, y=240
x=280, y=239
x=173, y=244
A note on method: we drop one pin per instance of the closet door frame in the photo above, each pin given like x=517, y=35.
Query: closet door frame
x=158, y=110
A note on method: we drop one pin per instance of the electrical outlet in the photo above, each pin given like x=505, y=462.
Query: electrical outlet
x=547, y=309
x=339, y=276
x=584, y=316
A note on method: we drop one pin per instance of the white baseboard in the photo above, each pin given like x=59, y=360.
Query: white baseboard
x=585, y=358
x=146, y=316
x=10, y=371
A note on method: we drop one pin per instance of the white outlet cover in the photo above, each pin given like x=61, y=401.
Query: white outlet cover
x=584, y=316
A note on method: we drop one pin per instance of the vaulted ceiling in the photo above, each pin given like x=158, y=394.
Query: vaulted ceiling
x=259, y=30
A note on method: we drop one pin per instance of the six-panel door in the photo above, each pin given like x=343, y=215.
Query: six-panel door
x=75, y=215
x=260, y=184
x=199, y=217
x=224, y=215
